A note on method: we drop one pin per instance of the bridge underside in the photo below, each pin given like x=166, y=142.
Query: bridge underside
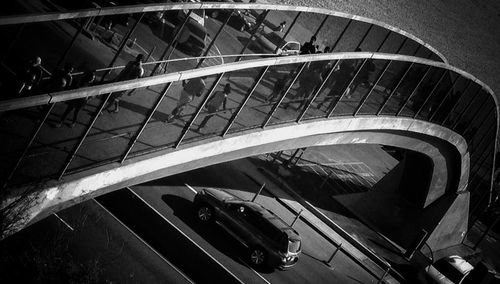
x=419, y=199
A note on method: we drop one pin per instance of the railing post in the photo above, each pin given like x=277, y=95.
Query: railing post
x=87, y=131
x=448, y=93
x=340, y=36
x=213, y=40
x=394, y=89
x=171, y=43
x=329, y=261
x=448, y=116
x=365, y=97
x=198, y=111
x=70, y=45
x=247, y=98
x=381, y=280
x=318, y=91
x=252, y=34
x=28, y=145
x=364, y=37
x=277, y=104
x=334, y=105
x=431, y=93
x=258, y=192
x=122, y=45
x=296, y=218
x=143, y=126
x=288, y=30
x=413, y=92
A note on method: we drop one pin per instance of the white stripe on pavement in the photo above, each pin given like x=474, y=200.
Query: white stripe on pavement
x=144, y=242
x=191, y=188
x=186, y=236
x=64, y=222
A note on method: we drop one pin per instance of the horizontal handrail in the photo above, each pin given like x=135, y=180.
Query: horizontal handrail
x=131, y=9
x=47, y=98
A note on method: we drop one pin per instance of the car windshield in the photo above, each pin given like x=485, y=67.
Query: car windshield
x=291, y=46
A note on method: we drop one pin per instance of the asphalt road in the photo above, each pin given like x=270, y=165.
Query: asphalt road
x=149, y=208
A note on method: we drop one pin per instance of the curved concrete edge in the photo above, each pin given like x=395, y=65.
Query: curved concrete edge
x=18, y=19
x=76, y=188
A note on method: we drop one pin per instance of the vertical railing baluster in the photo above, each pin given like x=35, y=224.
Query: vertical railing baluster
x=334, y=105
x=288, y=30
x=122, y=45
x=247, y=98
x=341, y=35
x=87, y=131
x=414, y=91
x=394, y=89
x=365, y=97
x=213, y=40
x=462, y=96
x=33, y=136
x=170, y=45
x=364, y=37
x=278, y=103
x=146, y=121
x=318, y=91
x=198, y=111
x=448, y=93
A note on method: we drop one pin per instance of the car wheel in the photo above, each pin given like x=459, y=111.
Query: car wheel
x=258, y=256
x=205, y=213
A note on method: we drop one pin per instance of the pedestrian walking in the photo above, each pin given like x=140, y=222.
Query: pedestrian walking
x=363, y=78
x=213, y=104
x=278, y=89
x=308, y=83
x=309, y=47
x=341, y=79
x=190, y=89
x=77, y=105
x=29, y=80
x=280, y=27
x=61, y=79
x=132, y=70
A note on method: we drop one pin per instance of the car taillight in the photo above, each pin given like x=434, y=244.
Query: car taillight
x=293, y=246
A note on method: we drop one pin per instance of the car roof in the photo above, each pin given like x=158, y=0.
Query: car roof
x=272, y=218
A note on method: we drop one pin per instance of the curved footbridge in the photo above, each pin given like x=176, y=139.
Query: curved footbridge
x=391, y=111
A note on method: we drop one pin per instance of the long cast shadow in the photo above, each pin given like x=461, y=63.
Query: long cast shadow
x=212, y=233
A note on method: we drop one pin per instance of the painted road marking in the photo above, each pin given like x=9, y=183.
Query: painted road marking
x=186, y=236
x=144, y=242
x=191, y=188
x=64, y=222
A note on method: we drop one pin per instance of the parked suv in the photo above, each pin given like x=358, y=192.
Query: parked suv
x=271, y=242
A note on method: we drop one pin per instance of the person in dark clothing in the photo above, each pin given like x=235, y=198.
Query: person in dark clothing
x=30, y=78
x=341, y=77
x=77, y=105
x=190, y=89
x=309, y=47
x=363, y=78
x=132, y=70
x=278, y=89
x=308, y=83
x=61, y=79
x=213, y=104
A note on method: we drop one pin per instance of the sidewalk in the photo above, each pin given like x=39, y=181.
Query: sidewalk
x=278, y=187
